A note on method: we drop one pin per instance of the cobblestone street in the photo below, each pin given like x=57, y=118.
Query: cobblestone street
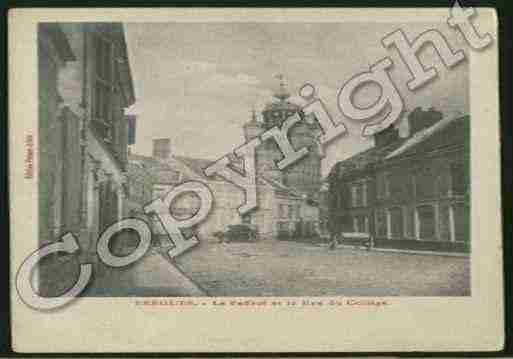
x=274, y=268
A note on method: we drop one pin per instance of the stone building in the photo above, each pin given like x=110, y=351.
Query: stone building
x=85, y=85
x=271, y=197
x=59, y=139
x=140, y=185
x=303, y=176
x=279, y=207
x=324, y=208
x=410, y=191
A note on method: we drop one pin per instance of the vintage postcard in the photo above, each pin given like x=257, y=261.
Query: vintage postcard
x=245, y=180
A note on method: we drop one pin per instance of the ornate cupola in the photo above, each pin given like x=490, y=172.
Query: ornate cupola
x=278, y=111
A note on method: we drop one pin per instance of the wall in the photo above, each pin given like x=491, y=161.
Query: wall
x=48, y=66
x=139, y=187
x=427, y=182
x=59, y=177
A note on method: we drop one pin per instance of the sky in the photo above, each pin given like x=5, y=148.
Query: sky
x=196, y=83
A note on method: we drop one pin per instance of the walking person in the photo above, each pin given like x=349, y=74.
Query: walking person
x=333, y=242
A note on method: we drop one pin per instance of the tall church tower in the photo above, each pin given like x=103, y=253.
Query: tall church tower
x=267, y=153
x=304, y=175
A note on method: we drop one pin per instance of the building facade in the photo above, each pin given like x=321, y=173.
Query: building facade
x=279, y=207
x=140, y=185
x=54, y=52
x=411, y=192
x=304, y=176
x=324, y=208
x=85, y=85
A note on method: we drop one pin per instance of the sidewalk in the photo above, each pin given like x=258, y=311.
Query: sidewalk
x=151, y=276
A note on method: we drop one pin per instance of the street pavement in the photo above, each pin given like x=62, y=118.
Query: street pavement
x=277, y=268
x=268, y=268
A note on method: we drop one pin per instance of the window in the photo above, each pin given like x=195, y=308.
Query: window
x=246, y=219
x=461, y=216
x=398, y=185
x=410, y=222
x=298, y=211
x=291, y=211
x=381, y=186
x=444, y=222
x=103, y=87
x=426, y=222
x=396, y=222
x=381, y=223
x=358, y=195
x=281, y=211
x=459, y=179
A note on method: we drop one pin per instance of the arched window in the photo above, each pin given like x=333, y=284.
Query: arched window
x=381, y=223
x=396, y=222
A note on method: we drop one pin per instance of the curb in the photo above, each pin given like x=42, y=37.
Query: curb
x=406, y=251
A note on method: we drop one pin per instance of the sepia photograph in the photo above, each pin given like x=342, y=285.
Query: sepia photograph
x=230, y=175
x=127, y=112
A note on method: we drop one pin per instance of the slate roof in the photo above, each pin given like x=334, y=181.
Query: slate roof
x=161, y=172
x=282, y=105
x=198, y=165
x=446, y=132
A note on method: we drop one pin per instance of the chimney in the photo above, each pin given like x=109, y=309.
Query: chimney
x=386, y=137
x=419, y=119
x=403, y=127
x=162, y=148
